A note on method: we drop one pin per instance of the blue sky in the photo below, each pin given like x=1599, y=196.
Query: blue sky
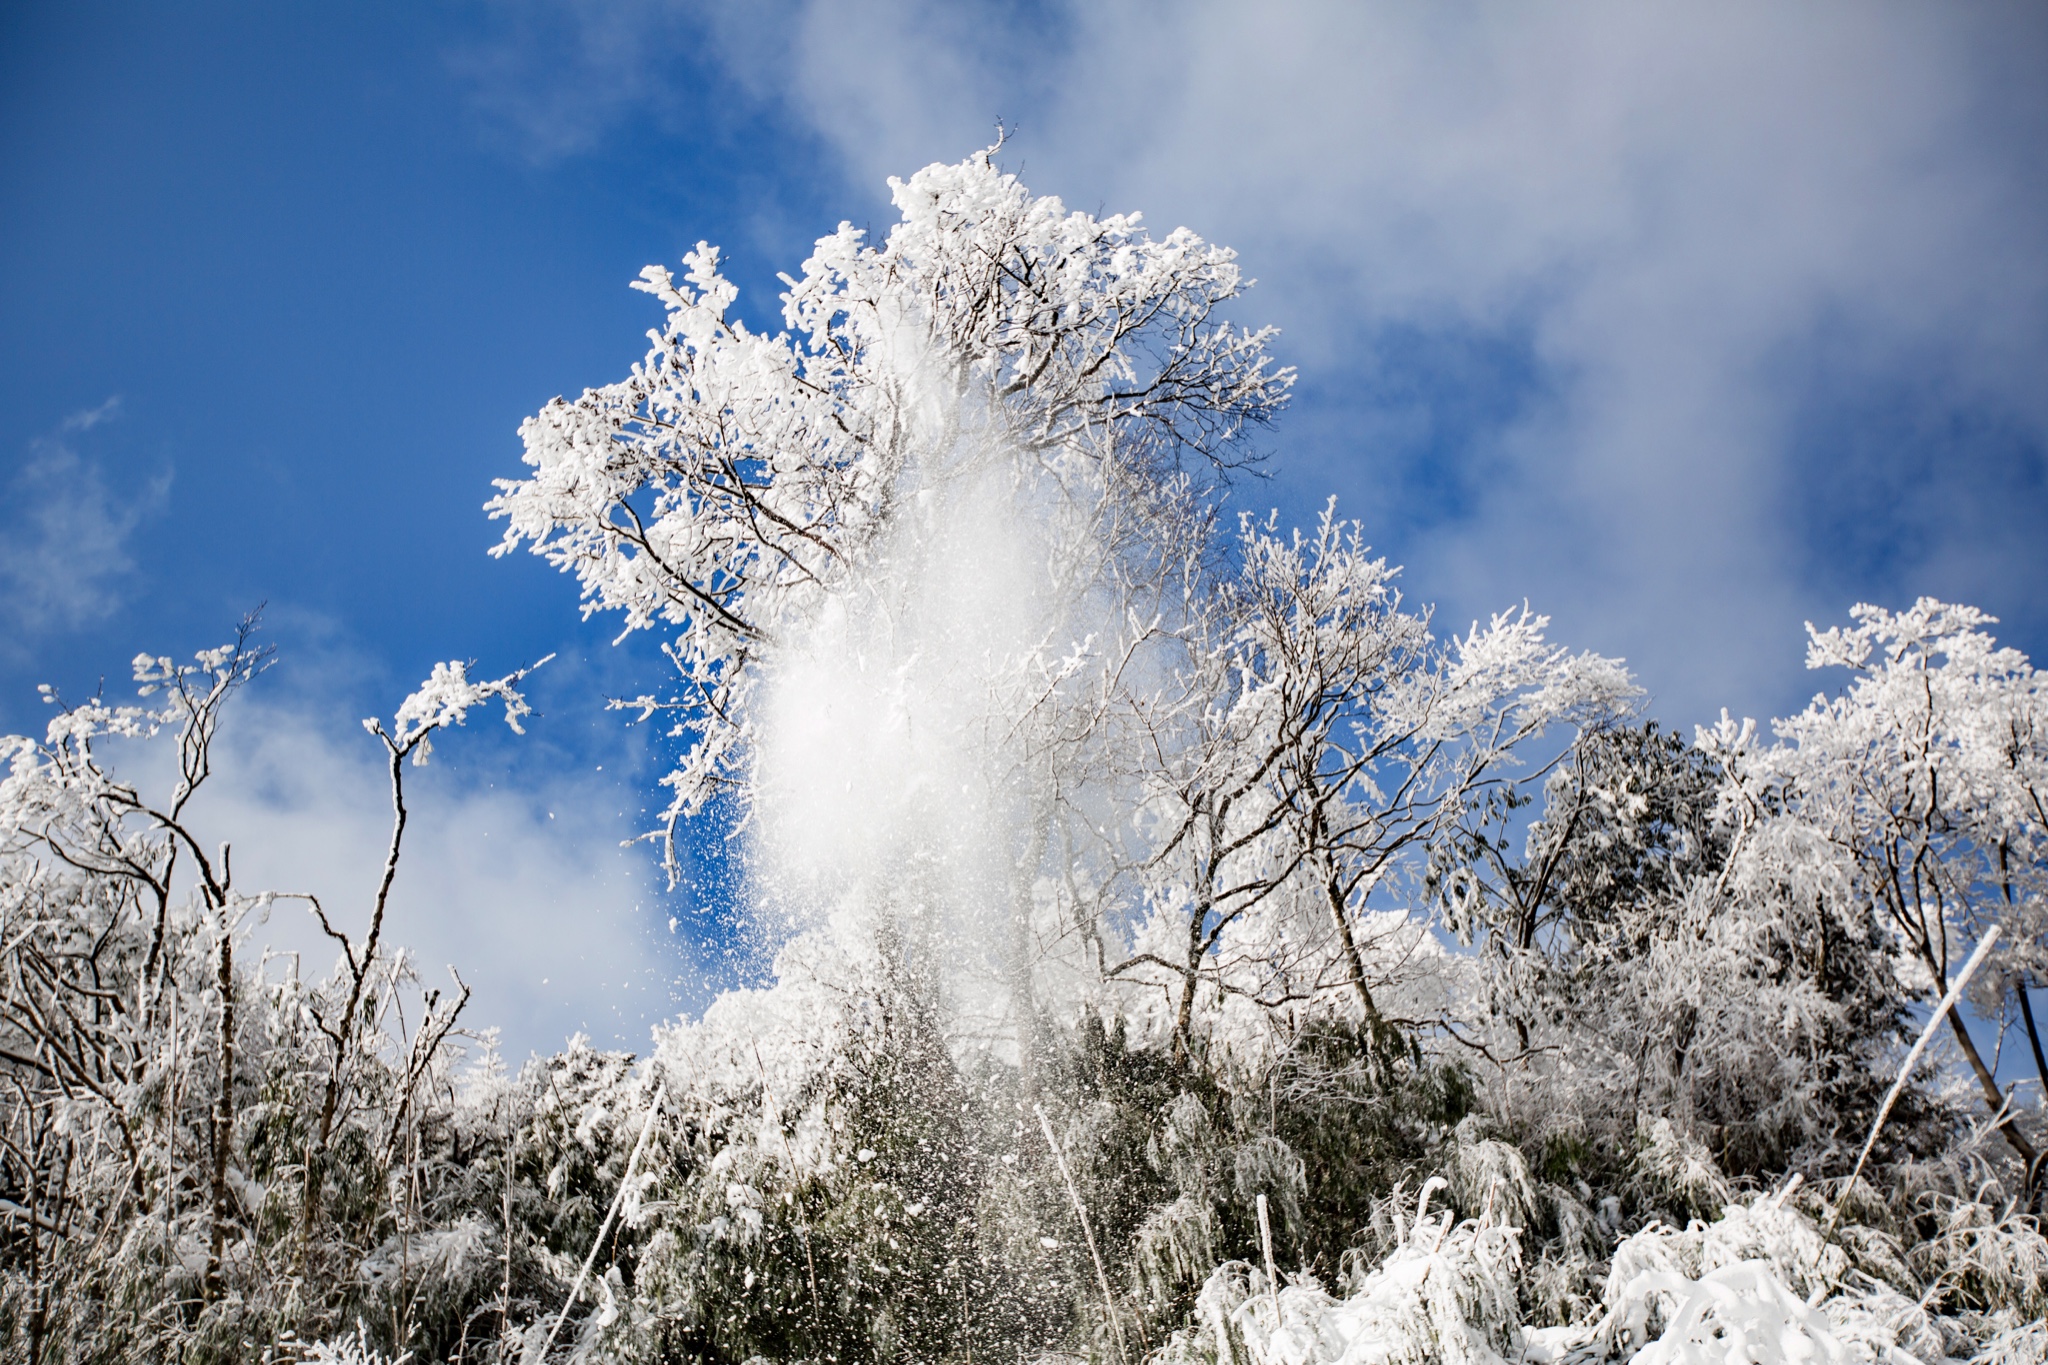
x=1687, y=324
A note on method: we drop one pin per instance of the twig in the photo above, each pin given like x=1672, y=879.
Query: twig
x=505, y=1285
x=803, y=1218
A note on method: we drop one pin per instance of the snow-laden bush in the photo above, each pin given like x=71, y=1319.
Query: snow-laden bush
x=1446, y=1293
x=354, y=1349
x=1738, y=1314
x=1752, y=1273
x=1762, y=1284
x=2014, y=1341
x=1765, y=1272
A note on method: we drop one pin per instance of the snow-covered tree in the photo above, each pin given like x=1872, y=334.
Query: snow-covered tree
x=1332, y=744
x=1043, y=767
x=1925, y=785
x=738, y=484
x=1003, y=401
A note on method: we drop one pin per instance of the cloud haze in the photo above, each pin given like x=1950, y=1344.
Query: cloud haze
x=1684, y=322
x=64, y=534
x=527, y=894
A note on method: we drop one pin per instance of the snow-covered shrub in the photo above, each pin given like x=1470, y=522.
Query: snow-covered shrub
x=1650, y=1270
x=1174, y=1249
x=1976, y=1256
x=203, y=1148
x=1736, y=1312
x=1447, y=1293
x=351, y=1350
x=2014, y=1341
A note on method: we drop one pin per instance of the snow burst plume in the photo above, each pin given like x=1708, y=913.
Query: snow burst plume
x=904, y=544
x=887, y=768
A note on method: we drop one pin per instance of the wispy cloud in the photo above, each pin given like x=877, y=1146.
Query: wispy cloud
x=64, y=536
x=552, y=78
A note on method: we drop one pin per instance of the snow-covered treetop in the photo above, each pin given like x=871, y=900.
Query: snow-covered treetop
x=446, y=698
x=734, y=478
x=58, y=790
x=1927, y=775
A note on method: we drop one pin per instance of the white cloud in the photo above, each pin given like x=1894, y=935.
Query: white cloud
x=1720, y=239
x=1672, y=206
x=64, y=533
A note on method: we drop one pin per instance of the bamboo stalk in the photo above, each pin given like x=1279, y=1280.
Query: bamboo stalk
x=1272, y=1270
x=597, y=1243
x=1948, y=1002
x=1088, y=1232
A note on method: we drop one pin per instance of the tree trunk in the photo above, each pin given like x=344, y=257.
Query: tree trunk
x=2033, y=1036
x=1993, y=1096
x=1333, y=893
